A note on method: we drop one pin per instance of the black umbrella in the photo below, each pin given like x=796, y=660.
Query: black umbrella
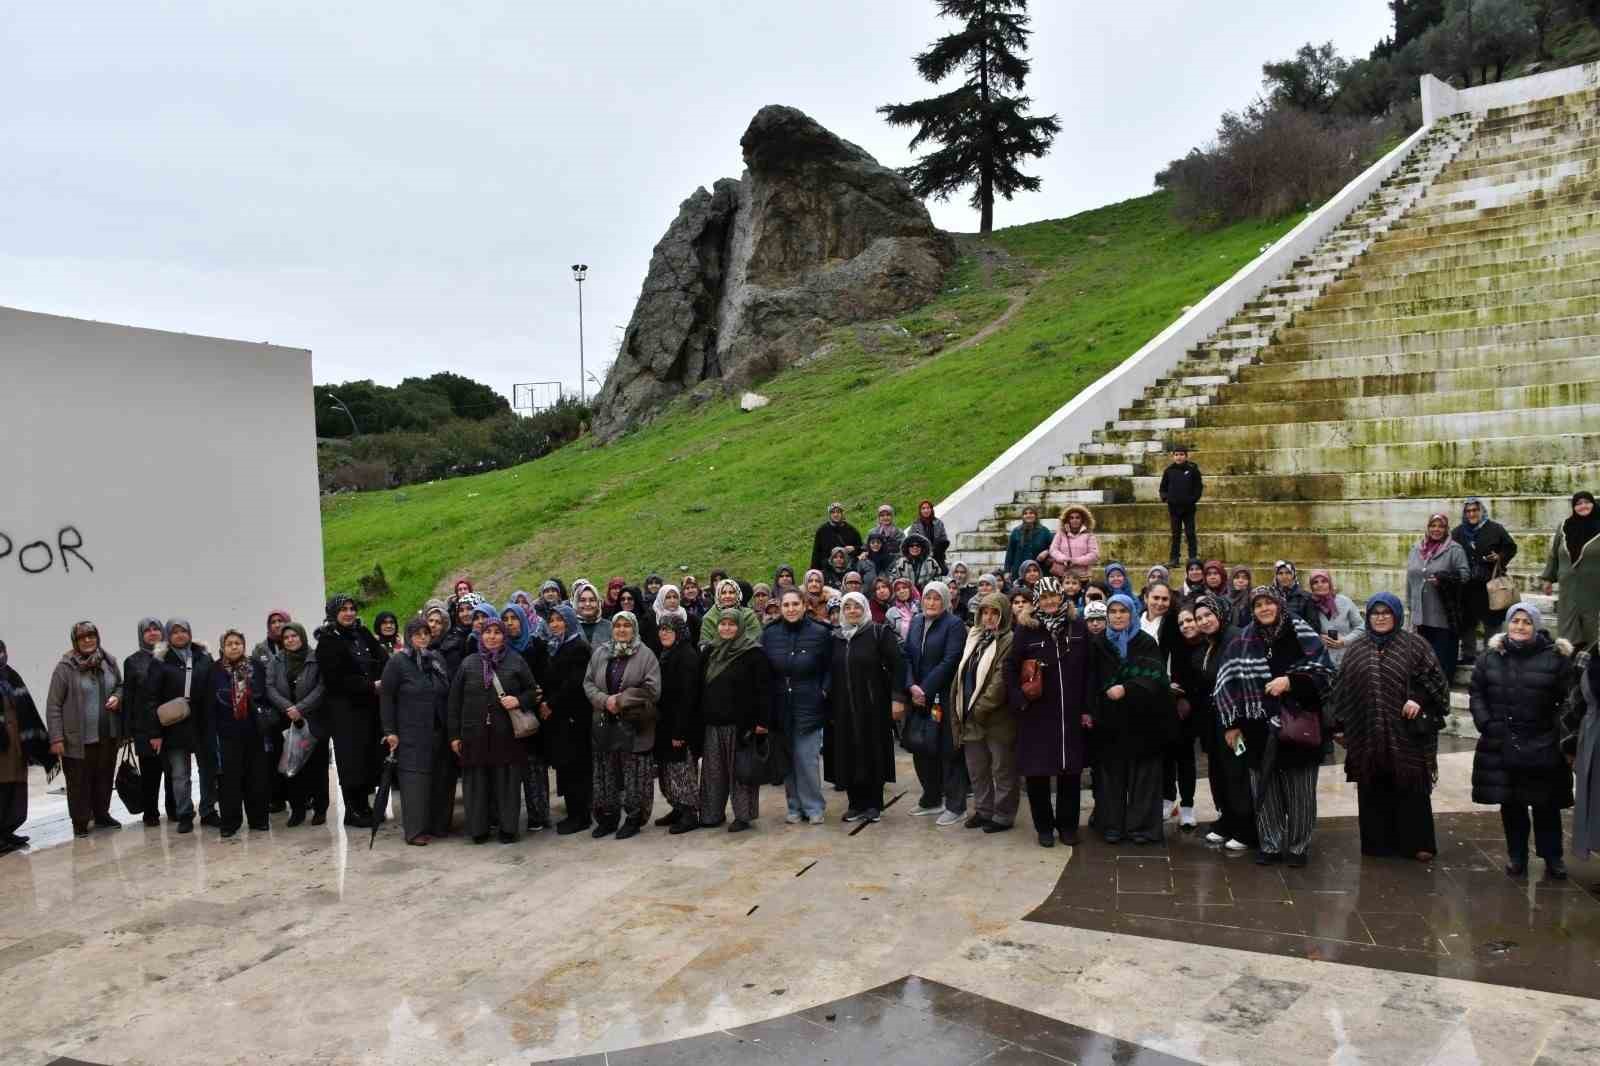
x=380, y=806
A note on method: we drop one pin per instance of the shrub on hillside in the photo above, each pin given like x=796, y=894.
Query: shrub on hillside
x=449, y=448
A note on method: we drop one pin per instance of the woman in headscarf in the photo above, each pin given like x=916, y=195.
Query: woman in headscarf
x=1342, y=623
x=1194, y=580
x=436, y=614
x=1389, y=700
x=566, y=717
x=461, y=587
x=866, y=676
x=84, y=714
x=415, y=705
x=136, y=692
x=886, y=529
x=1287, y=580
x=1240, y=582
x=24, y=742
x=932, y=528
x=933, y=651
x=836, y=568
x=736, y=706
x=294, y=692
x=521, y=637
x=351, y=664
x=454, y=645
x=1570, y=565
x=986, y=585
x=961, y=593
x=1132, y=716
x=1214, y=578
x=230, y=705
x=624, y=683
x=1156, y=575
x=815, y=595
x=1273, y=667
x=693, y=602
x=652, y=585
x=612, y=603
x=878, y=559
x=1074, y=549
x=1194, y=671
x=782, y=578
x=182, y=671
x=261, y=657
x=1117, y=579
x=551, y=594
x=679, y=730
x=386, y=628
x=917, y=561
x=882, y=596
x=596, y=629
x=760, y=596
x=1519, y=689
x=730, y=597
x=1029, y=575
x=1435, y=572
x=1028, y=539
x=982, y=719
x=1489, y=550
x=1580, y=743
x=492, y=681
x=798, y=655
x=1051, y=750
x=668, y=607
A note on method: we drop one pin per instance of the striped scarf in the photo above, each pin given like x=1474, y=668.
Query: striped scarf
x=1247, y=667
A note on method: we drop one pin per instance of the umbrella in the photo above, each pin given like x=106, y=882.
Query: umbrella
x=380, y=806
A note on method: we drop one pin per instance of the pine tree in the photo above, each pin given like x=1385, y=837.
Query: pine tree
x=982, y=126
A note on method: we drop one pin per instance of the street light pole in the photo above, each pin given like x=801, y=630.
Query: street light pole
x=340, y=405
x=579, y=272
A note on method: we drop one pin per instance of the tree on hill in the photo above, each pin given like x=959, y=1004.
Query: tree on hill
x=414, y=404
x=1309, y=80
x=982, y=126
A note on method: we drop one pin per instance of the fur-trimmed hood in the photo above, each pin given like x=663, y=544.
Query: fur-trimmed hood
x=1562, y=645
x=1080, y=509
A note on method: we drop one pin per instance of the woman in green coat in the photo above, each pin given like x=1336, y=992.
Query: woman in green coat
x=1577, y=572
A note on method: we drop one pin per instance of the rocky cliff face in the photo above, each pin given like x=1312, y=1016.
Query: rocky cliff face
x=750, y=275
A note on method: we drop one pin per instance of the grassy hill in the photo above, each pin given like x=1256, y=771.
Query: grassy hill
x=891, y=411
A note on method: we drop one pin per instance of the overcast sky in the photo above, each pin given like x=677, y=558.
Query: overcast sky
x=402, y=186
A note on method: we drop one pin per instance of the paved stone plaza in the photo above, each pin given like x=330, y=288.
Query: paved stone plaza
x=896, y=942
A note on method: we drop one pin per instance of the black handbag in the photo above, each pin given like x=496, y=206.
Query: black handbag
x=919, y=734
x=1299, y=727
x=130, y=786
x=761, y=759
x=611, y=734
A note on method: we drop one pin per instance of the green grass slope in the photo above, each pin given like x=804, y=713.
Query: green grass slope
x=891, y=411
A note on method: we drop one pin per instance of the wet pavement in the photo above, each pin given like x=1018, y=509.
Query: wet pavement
x=1459, y=916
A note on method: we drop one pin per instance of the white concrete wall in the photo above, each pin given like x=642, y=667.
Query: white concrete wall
x=187, y=467
x=1072, y=424
x=1440, y=100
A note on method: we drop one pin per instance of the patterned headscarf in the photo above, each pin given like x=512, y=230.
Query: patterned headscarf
x=1051, y=620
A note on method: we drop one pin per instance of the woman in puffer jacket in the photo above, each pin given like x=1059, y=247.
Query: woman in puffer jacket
x=1075, y=548
x=1519, y=690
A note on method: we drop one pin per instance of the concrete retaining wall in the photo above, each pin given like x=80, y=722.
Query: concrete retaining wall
x=1440, y=99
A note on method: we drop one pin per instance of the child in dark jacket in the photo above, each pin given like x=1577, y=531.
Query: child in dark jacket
x=1180, y=491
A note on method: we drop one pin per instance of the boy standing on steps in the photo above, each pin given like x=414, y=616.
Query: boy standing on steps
x=1180, y=491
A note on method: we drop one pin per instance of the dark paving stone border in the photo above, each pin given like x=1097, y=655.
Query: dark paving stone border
x=1459, y=916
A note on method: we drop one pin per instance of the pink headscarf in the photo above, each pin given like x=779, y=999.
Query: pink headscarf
x=1430, y=547
x=1326, y=604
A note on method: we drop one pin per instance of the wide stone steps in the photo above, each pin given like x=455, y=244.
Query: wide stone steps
x=1544, y=478
x=1540, y=513
x=1451, y=217
x=1288, y=348
x=1567, y=286
x=1229, y=411
x=1393, y=286
x=1557, y=349
x=1418, y=249
x=1453, y=254
x=1332, y=386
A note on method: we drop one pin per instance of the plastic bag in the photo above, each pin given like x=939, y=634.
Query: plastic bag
x=297, y=745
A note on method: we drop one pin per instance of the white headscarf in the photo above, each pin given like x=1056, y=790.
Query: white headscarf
x=846, y=630
x=660, y=609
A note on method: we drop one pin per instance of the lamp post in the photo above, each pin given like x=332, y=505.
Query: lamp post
x=339, y=405
x=579, y=272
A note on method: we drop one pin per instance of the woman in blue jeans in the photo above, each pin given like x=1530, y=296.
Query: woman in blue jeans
x=799, y=650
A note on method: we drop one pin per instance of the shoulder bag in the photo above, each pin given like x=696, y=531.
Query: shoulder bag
x=1032, y=679
x=129, y=788
x=920, y=733
x=524, y=724
x=1502, y=593
x=1299, y=727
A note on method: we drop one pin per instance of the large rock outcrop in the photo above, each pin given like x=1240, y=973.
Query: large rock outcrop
x=751, y=274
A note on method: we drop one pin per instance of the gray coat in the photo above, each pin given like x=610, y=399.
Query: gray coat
x=643, y=672
x=1348, y=621
x=1425, y=602
x=305, y=694
x=65, y=711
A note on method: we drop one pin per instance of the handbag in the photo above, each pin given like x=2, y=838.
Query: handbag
x=1502, y=594
x=611, y=734
x=1032, y=679
x=524, y=724
x=920, y=733
x=297, y=744
x=761, y=759
x=1299, y=728
x=128, y=782
x=173, y=711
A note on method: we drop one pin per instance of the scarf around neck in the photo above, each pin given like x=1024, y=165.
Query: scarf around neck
x=726, y=650
x=1430, y=547
x=1121, y=638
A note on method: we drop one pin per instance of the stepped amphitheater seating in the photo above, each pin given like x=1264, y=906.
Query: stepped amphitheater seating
x=1443, y=342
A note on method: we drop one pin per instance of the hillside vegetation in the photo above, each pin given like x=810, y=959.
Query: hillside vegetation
x=891, y=411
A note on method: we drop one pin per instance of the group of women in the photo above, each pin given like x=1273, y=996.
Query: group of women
x=1015, y=682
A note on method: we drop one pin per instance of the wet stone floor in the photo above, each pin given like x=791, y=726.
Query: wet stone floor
x=894, y=942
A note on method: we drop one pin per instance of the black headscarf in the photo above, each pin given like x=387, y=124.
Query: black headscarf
x=1577, y=531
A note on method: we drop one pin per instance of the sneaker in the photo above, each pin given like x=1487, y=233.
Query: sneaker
x=816, y=819
x=852, y=815
x=1186, y=819
x=1555, y=869
x=1215, y=837
x=1236, y=845
x=793, y=818
x=537, y=824
x=919, y=810
x=948, y=818
x=872, y=814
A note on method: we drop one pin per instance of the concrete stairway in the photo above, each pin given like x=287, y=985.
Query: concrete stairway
x=1443, y=342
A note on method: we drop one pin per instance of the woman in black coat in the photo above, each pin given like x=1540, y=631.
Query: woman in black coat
x=1490, y=550
x=236, y=711
x=679, y=731
x=566, y=715
x=351, y=664
x=181, y=668
x=492, y=757
x=1132, y=716
x=414, y=705
x=798, y=650
x=866, y=688
x=736, y=705
x=1051, y=747
x=1195, y=661
x=1519, y=688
